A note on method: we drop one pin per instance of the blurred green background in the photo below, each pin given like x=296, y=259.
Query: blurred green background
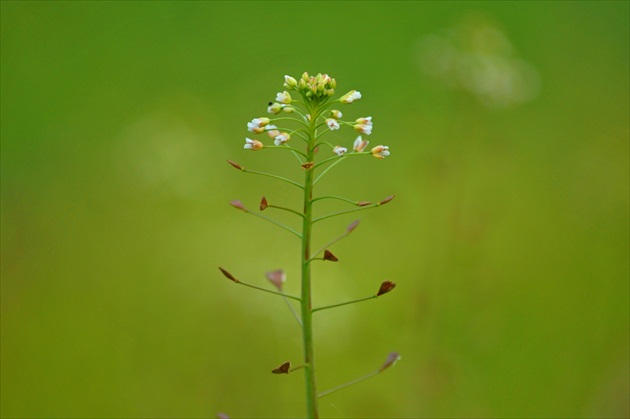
x=508, y=239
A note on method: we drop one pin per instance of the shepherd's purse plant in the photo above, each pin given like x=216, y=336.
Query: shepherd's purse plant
x=300, y=118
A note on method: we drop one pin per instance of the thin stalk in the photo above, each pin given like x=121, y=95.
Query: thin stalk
x=306, y=305
x=273, y=176
x=287, y=228
x=344, y=304
x=348, y=384
x=344, y=212
x=269, y=291
x=286, y=209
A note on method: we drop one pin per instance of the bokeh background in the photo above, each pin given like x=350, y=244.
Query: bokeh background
x=508, y=238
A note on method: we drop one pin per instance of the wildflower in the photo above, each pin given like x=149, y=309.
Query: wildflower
x=252, y=144
x=335, y=114
x=360, y=144
x=281, y=138
x=340, y=151
x=332, y=124
x=350, y=97
x=277, y=278
x=380, y=151
x=290, y=82
x=257, y=124
x=275, y=108
x=364, y=125
x=283, y=97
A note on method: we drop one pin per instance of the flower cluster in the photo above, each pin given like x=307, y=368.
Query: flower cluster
x=315, y=92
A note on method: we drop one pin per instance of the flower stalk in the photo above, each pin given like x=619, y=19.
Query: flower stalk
x=305, y=102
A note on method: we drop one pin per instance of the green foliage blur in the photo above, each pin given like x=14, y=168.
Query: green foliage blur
x=508, y=238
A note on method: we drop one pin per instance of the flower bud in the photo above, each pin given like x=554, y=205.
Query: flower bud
x=288, y=109
x=335, y=114
x=252, y=144
x=329, y=256
x=350, y=97
x=386, y=287
x=275, y=108
x=284, y=97
x=290, y=82
x=263, y=204
x=363, y=203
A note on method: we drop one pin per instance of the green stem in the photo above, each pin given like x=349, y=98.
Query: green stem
x=344, y=212
x=287, y=228
x=273, y=176
x=344, y=304
x=355, y=381
x=266, y=290
x=306, y=305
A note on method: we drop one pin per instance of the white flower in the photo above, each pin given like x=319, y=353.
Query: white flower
x=283, y=97
x=340, y=151
x=360, y=144
x=281, y=138
x=252, y=144
x=350, y=97
x=380, y=151
x=364, y=125
x=257, y=124
x=332, y=124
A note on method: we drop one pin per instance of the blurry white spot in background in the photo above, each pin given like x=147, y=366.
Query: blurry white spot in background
x=165, y=153
x=476, y=56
